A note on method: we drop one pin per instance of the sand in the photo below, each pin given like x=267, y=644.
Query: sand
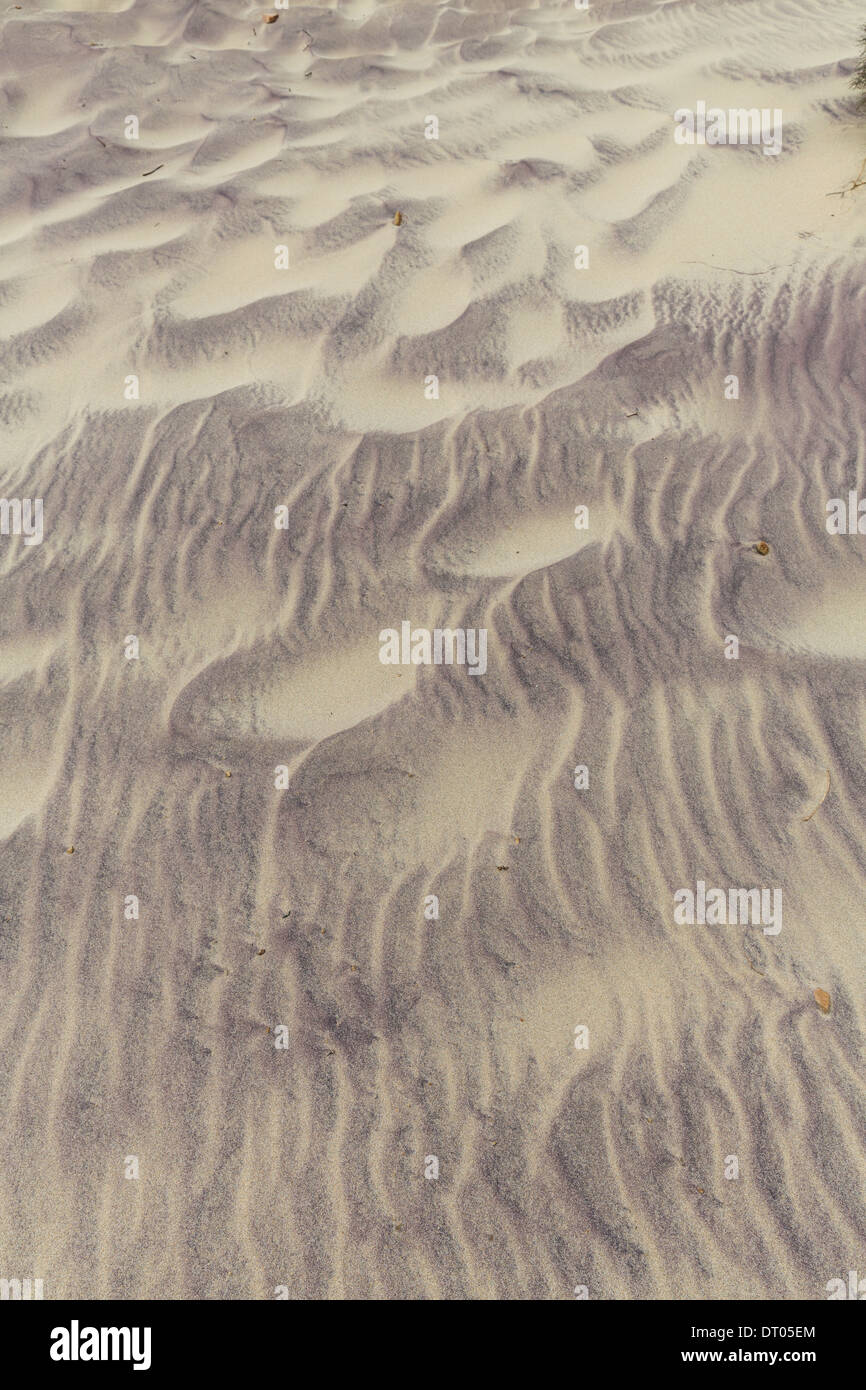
x=286, y=1034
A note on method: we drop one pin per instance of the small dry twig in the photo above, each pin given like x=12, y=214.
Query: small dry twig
x=857, y=182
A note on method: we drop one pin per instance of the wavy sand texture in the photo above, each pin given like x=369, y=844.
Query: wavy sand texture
x=303, y=907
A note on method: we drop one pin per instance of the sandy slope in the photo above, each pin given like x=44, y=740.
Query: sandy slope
x=259, y=387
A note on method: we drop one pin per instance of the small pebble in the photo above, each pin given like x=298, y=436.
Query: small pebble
x=822, y=999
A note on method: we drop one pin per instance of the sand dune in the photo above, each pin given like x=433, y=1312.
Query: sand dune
x=429, y=403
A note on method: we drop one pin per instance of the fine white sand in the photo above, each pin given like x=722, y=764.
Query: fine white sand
x=303, y=908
